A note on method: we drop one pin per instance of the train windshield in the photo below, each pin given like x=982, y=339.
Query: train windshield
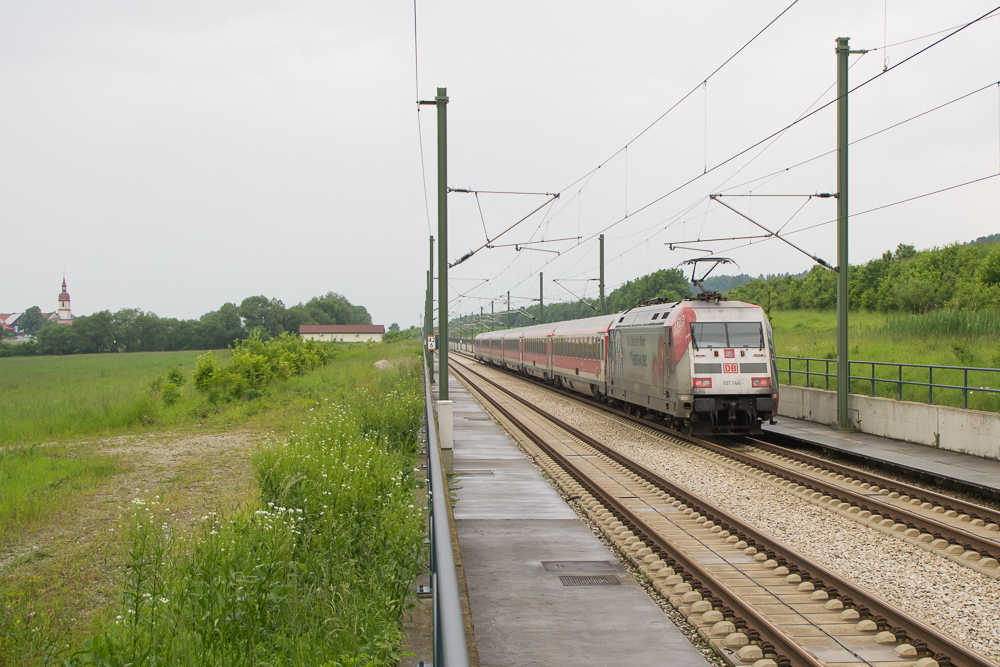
x=727, y=334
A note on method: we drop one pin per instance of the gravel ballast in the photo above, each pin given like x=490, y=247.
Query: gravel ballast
x=956, y=600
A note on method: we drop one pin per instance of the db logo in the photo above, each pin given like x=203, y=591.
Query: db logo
x=730, y=368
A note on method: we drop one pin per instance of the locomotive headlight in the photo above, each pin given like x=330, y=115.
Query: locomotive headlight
x=760, y=382
x=703, y=383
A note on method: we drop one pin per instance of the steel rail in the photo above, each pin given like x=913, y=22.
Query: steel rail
x=986, y=547
x=902, y=488
x=925, y=639
x=786, y=651
x=450, y=647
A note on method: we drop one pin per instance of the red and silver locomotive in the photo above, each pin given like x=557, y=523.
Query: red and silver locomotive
x=704, y=365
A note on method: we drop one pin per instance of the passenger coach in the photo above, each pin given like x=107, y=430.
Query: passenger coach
x=703, y=365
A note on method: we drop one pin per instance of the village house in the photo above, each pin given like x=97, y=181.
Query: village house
x=343, y=333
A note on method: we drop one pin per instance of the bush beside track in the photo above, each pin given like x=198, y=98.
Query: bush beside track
x=316, y=572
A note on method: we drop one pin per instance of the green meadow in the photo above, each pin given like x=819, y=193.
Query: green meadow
x=321, y=457
x=939, y=338
x=50, y=398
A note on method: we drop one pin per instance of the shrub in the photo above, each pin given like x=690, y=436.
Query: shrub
x=315, y=573
x=171, y=394
x=176, y=377
x=257, y=363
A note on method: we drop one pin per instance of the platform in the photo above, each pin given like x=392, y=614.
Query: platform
x=958, y=468
x=519, y=540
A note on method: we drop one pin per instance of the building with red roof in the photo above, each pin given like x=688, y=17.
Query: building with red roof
x=343, y=333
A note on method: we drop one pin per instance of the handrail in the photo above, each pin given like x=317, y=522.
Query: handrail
x=450, y=649
x=965, y=388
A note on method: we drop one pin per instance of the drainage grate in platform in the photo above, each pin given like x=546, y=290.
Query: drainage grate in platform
x=579, y=566
x=597, y=580
x=474, y=473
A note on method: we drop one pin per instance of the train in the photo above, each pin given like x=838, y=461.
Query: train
x=705, y=366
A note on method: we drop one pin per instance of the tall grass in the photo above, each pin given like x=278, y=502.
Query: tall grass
x=965, y=323
x=941, y=338
x=316, y=572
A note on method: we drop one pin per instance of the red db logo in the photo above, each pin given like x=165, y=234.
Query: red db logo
x=730, y=368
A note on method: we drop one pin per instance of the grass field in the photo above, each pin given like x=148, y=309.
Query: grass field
x=65, y=562
x=53, y=397
x=941, y=339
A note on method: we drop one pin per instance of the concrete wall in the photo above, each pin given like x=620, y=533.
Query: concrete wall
x=967, y=431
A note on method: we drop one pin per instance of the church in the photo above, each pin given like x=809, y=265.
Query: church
x=63, y=315
x=9, y=321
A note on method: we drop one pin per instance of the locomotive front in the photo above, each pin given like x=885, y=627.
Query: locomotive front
x=734, y=384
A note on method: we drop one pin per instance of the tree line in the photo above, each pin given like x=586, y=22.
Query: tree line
x=666, y=283
x=959, y=276
x=133, y=330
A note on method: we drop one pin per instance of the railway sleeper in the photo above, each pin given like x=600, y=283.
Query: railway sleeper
x=685, y=593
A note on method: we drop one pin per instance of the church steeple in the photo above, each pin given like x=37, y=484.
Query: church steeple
x=65, y=314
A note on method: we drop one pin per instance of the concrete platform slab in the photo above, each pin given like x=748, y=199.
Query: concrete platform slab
x=513, y=529
x=957, y=467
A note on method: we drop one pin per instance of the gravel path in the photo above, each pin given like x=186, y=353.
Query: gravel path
x=954, y=599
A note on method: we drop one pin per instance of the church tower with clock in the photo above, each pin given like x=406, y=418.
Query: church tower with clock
x=65, y=315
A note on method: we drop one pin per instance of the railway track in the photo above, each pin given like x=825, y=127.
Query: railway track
x=753, y=599
x=963, y=532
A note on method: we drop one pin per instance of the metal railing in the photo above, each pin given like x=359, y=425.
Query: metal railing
x=449, y=625
x=821, y=369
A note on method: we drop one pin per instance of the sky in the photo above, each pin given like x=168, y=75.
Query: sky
x=175, y=157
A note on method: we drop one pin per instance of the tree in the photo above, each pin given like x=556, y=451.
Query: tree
x=96, y=332
x=333, y=308
x=393, y=327
x=30, y=321
x=990, y=270
x=263, y=313
x=666, y=283
x=59, y=339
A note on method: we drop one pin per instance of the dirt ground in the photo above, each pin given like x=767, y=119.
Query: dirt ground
x=67, y=568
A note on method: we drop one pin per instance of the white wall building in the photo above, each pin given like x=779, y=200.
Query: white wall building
x=343, y=333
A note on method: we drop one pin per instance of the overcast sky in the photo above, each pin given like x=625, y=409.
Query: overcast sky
x=175, y=157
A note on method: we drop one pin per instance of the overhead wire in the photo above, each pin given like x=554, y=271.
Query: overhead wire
x=873, y=134
x=792, y=124
x=951, y=32
x=799, y=120
x=420, y=134
x=993, y=15
x=877, y=208
x=687, y=95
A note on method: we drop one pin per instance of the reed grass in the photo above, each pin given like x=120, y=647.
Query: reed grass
x=940, y=338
